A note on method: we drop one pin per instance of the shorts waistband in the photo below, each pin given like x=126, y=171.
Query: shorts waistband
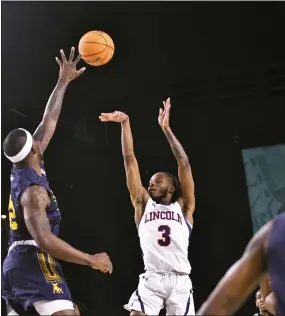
x=167, y=273
x=22, y=243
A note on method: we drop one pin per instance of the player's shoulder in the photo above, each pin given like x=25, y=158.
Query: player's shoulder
x=178, y=204
x=280, y=218
x=33, y=194
x=149, y=202
x=259, y=242
x=21, y=176
x=262, y=235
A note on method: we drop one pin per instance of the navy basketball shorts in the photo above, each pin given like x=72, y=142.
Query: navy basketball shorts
x=30, y=276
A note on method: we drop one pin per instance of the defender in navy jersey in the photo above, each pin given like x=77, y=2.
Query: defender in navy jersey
x=164, y=217
x=32, y=277
x=265, y=253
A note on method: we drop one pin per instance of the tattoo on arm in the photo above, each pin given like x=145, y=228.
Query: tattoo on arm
x=45, y=130
x=54, y=104
x=185, y=176
x=34, y=202
x=38, y=222
x=176, y=147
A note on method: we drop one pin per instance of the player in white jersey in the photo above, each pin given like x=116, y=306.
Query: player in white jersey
x=164, y=217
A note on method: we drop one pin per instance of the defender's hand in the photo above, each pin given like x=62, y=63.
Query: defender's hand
x=163, y=117
x=102, y=262
x=116, y=116
x=67, y=68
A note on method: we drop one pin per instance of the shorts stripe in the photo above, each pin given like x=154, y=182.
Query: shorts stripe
x=187, y=306
x=140, y=300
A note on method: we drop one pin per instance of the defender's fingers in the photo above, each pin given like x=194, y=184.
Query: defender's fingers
x=76, y=61
x=80, y=71
x=58, y=61
x=71, y=55
x=62, y=56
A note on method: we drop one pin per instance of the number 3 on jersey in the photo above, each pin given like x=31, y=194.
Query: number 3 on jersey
x=166, y=239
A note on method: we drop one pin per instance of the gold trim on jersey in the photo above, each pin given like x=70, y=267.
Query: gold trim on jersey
x=12, y=215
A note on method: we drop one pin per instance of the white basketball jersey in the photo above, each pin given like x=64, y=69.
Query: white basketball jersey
x=164, y=235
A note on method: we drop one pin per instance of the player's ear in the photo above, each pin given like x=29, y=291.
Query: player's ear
x=34, y=148
x=171, y=189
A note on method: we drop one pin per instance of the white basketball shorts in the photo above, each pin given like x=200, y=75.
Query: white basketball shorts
x=156, y=288
x=50, y=307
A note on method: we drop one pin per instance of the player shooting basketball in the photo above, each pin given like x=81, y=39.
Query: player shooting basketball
x=164, y=217
x=31, y=275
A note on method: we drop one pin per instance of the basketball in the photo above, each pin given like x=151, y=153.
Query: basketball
x=96, y=48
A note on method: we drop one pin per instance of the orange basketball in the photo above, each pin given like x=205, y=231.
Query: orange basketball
x=96, y=48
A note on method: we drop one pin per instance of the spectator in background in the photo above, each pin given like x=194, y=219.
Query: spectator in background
x=260, y=305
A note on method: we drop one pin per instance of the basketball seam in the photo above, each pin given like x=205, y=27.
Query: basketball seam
x=84, y=56
x=103, y=36
x=97, y=43
x=101, y=51
x=105, y=56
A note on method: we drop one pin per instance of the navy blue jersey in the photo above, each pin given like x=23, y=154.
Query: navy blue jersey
x=276, y=262
x=29, y=274
x=20, y=180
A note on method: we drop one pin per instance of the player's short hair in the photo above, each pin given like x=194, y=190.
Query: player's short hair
x=14, y=142
x=177, y=193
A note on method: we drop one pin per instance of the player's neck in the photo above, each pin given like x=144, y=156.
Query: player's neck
x=37, y=168
x=164, y=201
x=31, y=165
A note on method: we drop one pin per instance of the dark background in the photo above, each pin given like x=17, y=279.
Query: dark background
x=223, y=66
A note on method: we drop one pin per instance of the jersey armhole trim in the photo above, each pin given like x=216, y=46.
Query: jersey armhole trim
x=190, y=227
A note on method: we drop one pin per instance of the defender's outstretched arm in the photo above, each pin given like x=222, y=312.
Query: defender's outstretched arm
x=67, y=73
x=241, y=279
x=138, y=193
x=184, y=169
